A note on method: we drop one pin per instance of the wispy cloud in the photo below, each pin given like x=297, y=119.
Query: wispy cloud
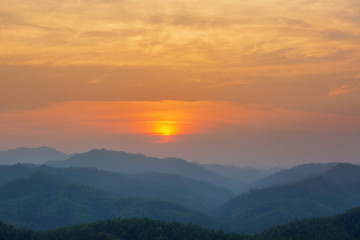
x=176, y=33
x=342, y=90
x=196, y=50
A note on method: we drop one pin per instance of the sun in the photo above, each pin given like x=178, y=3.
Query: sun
x=166, y=128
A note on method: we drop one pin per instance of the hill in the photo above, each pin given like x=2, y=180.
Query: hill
x=191, y=193
x=292, y=175
x=258, y=210
x=12, y=172
x=169, y=187
x=132, y=229
x=185, y=191
x=343, y=173
x=45, y=201
x=243, y=174
x=31, y=155
x=122, y=229
x=8, y=232
x=136, y=163
x=345, y=226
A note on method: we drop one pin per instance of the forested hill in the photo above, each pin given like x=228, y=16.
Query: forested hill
x=45, y=201
x=144, y=229
x=257, y=210
x=188, y=192
x=127, y=229
x=344, y=226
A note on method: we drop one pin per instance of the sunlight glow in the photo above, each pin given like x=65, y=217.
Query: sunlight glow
x=166, y=128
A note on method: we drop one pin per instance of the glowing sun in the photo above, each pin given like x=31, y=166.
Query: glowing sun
x=166, y=128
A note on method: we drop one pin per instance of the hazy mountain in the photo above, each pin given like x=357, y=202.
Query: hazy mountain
x=345, y=226
x=46, y=201
x=293, y=174
x=271, y=170
x=188, y=192
x=136, y=163
x=31, y=155
x=185, y=191
x=243, y=174
x=12, y=172
x=258, y=210
x=343, y=173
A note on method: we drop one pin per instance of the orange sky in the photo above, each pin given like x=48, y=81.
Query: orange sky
x=164, y=77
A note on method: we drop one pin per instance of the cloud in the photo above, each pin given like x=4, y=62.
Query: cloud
x=175, y=33
x=338, y=35
x=116, y=33
x=342, y=90
x=295, y=22
x=263, y=52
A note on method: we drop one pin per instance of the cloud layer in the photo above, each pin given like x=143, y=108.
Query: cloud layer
x=266, y=64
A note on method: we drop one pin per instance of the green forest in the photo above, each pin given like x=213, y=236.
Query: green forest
x=344, y=226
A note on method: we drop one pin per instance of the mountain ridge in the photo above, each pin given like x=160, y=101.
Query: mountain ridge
x=44, y=201
x=38, y=155
x=118, y=161
x=259, y=209
x=191, y=193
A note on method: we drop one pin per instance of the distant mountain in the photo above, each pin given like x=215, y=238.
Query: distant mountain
x=292, y=175
x=343, y=173
x=45, y=201
x=136, y=163
x=188, y=192
x=258, y=210
x=31, y=155
x=191, y=193
x=169, y=187
x=345, y=226
x=271, y=170
x=9, y=173
x=243, y=174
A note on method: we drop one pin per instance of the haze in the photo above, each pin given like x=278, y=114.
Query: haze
x=234, y=82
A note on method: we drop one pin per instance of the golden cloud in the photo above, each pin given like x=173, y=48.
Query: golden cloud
x=342, y=90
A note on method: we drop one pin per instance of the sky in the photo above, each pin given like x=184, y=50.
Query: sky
x=247, y=83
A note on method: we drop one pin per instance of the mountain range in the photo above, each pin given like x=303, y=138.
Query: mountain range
x=291, y=175
x=243, y=174
x=328, y=193
x=45, y=201
x=123, y=162
x=102, y=184
x=31, y=155
x=168, y=187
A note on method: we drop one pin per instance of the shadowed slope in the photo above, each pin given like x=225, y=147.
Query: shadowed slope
x=258, y=210
x=46, y=201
